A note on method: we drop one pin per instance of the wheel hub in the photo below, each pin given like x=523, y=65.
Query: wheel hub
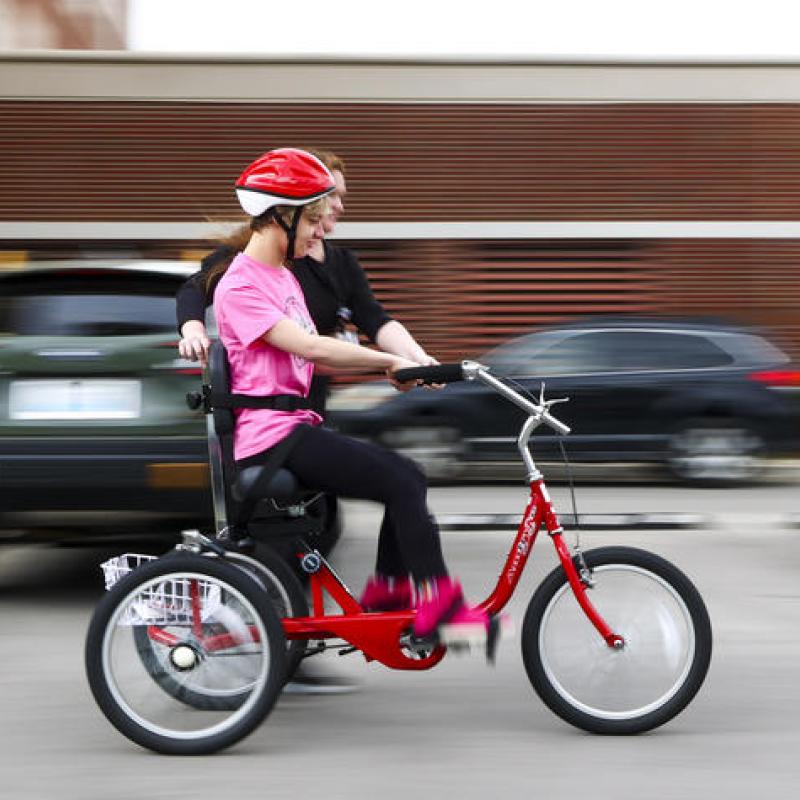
x=183, y=657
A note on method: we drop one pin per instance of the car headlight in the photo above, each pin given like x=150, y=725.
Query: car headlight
x=360, y=397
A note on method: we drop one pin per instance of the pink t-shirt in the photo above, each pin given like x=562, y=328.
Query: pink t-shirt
x=249, y=300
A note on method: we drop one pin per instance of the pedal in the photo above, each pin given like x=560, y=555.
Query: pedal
x=421, y=648
x=464, y=638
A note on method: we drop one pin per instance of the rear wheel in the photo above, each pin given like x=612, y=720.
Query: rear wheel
x=222, y=642
x=288, y=599
x=667, y=643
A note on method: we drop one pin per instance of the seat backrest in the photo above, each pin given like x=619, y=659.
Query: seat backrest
x=219, y=375
x=221, y=425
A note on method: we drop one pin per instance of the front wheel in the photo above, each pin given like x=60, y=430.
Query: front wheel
x=221, y=639
x=665, y=658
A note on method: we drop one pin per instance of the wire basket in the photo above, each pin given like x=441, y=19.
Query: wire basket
x=172, y=601
x=118, y=567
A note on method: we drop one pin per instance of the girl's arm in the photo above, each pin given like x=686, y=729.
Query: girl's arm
x=327, y=351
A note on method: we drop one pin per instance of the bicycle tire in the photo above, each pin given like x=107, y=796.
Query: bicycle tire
x=668, y=642
x=138, y=706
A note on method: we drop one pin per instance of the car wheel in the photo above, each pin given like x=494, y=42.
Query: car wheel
x=716, y=451
x=438, y=451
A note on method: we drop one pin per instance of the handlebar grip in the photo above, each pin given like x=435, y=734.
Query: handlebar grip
x=438, y=373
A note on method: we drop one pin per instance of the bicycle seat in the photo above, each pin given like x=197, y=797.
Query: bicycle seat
x=254, y=483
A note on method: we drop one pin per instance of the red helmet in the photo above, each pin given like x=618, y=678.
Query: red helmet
x=284, y=177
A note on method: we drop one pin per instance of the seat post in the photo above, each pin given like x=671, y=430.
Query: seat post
x=217, y=476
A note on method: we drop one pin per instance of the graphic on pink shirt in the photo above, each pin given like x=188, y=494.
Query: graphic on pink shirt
x=298, y=313
x=250, y=299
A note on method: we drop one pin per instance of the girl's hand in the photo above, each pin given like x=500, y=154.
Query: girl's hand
x=401, y=363
x=430, y=361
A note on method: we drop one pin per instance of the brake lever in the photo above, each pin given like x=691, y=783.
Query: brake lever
x=546, y=404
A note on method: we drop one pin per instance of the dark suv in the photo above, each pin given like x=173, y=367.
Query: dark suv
x=710, y=400
x=93, y=423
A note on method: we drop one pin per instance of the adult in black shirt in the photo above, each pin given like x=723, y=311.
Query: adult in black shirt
x=335, y=286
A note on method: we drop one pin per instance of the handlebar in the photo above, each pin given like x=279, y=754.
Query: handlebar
x=472, y=370
x=437, y=373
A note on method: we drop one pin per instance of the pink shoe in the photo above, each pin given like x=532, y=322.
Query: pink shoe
x=442, y=600
x=466, y=626
x=382, y=595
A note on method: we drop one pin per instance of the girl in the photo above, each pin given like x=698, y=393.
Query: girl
x=273, y=346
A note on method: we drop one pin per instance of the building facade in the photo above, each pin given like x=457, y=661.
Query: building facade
x=486, y=198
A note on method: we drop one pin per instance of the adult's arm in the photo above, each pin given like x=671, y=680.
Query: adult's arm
x=191, y=301
x=393, y=337
x=195, y=295
x=370, y=317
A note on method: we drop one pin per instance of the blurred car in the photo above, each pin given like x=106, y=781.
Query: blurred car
x=92, y=412
x=709, y=400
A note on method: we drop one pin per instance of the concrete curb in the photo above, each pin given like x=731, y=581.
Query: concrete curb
x=642, y=522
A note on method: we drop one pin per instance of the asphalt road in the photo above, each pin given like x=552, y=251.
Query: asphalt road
x=464, y=729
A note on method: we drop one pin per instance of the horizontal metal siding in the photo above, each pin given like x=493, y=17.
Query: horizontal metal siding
x=461, y=297
x=132, y=161
x=755, y=282
x=147, y=161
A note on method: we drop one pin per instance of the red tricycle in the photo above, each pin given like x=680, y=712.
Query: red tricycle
x=187, y=653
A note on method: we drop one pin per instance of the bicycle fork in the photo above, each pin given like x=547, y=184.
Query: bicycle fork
x=538, y=512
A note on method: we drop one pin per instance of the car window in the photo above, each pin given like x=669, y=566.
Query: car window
x=513, y=357
x=545, y=354
x=570, y=356
x=76, y=307
x=628, y=350
x=692, y=351
x=751, y=350
x=635, y=350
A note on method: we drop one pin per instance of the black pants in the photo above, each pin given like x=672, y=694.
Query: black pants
x=409, y=537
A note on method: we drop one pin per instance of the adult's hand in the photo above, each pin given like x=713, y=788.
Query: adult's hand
x=195, y=342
